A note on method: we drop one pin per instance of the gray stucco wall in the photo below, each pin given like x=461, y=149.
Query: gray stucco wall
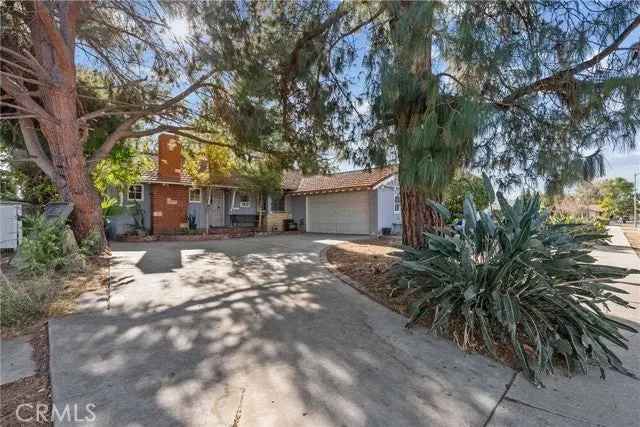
x=237, y=210
x=386, y=216
x=124, y=222
x=297, y=209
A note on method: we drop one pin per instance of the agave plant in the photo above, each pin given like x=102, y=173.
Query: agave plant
x=513, y=278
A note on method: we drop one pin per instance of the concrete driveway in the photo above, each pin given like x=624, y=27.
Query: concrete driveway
x=256, y=332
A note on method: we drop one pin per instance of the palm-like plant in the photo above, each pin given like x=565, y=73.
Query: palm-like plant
x=514, y=278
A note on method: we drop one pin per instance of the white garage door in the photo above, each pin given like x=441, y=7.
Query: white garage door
x=342, y=213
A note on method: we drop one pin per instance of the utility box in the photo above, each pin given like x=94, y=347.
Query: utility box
x=10, y=225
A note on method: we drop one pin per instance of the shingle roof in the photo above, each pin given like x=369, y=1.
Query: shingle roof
x=344, y=181
x=185, y=179
x=297, y=183
x=152, y=176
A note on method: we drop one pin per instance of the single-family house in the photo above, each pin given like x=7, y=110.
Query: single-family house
x=355, y=202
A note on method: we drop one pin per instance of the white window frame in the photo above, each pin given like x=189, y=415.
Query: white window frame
x=397, y=201
x=134, y=198
x=244, y=204
x=199, y=200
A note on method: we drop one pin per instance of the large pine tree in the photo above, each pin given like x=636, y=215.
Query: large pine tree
x=526, y=89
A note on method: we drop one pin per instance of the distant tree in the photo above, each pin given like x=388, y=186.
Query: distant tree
x=462, y=185
x=617, y=198
x=588, y=193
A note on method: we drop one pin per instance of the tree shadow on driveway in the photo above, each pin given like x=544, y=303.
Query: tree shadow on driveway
x=258, y=329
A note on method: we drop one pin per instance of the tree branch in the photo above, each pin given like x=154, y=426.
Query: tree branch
x=54, y=35
x=551, y=82
x=18, y=77
x=22, y=96
x=34, y=148
x=28, y=59
x=125, y=127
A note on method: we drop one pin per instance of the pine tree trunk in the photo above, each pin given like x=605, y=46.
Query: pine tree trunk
x=67, y=156
x=54, y=48
x=417, y=216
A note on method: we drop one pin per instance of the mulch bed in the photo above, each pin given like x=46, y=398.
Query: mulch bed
x=34, y=390
x=373, y=267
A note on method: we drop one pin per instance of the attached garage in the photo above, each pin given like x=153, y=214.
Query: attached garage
x=340, y=213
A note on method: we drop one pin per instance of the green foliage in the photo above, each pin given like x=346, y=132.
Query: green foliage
x=462, y=185
x=207, y=164
x=617, y=198
x=519, y=281
x=124, y=167
x=110, y=206
x=501, y=86
x=581, y=224
x=92, y=244
x=260, y=177
x=285, y=93
x=41, y=249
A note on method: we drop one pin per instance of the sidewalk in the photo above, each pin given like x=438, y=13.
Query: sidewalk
x=585, y=400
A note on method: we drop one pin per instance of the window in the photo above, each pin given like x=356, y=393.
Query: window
x=135, y=193
x=244, y=201
x=277, y=204
x=396, y=200
x=194, y=195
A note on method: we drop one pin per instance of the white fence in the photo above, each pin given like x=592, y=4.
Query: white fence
x=10, y=226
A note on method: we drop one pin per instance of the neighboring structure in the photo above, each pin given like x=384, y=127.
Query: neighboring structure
x=357, y=202
x=10, y=224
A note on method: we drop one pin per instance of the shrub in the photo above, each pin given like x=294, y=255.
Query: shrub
x=25, y=300
x=92, y=244
x=517, y=280
x=41, y=249
x=582, y=224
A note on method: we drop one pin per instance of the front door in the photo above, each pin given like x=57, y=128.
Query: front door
x=216, y=208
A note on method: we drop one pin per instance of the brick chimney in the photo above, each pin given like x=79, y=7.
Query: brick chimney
x=169, y=157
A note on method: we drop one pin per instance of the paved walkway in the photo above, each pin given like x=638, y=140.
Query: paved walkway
x=256, y=330
x=15, y=359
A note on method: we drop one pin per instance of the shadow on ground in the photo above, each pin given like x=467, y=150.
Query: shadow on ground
x=203, y=333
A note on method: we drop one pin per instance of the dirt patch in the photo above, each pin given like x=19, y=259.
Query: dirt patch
x=33, y=392
x=373, y=267
x=633, y=236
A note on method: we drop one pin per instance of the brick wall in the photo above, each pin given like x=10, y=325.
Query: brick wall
x=169, y=157
x=274, y=221
x=169, y=207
